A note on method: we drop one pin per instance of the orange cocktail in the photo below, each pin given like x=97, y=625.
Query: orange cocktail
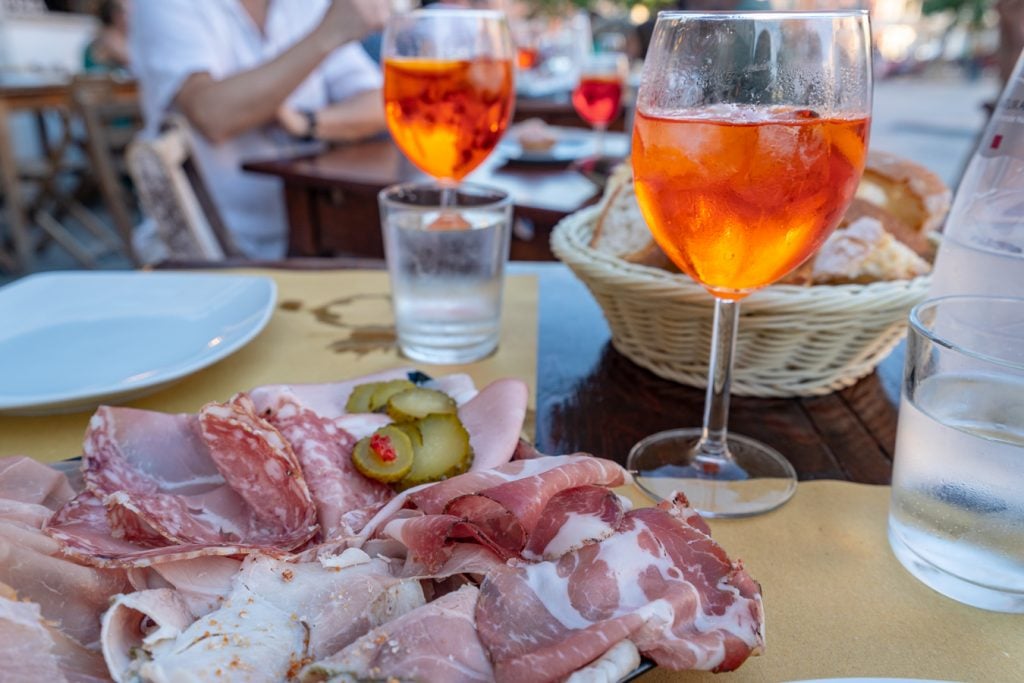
x=447, y=115
x=597, y=99
x=737, y=199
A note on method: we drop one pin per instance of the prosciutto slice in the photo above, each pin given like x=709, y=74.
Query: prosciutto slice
x=436, y=642
x=32, y=650
x=659, y=581
x=498, y=508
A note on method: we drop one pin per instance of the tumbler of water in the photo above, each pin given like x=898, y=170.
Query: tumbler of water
x=956, y=518
x=447, y=268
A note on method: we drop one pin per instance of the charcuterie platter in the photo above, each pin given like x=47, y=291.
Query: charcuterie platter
x=284, y=534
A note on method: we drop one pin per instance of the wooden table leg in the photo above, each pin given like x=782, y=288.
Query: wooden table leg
x=303, y=239
x=10, y=185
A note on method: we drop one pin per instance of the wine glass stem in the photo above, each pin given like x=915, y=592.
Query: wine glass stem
x=449, y=194
x=599, y=129
x=716, y=402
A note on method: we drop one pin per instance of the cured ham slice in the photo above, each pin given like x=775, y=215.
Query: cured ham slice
x=611, y=667
x=437, y=642
x=27, y=481
x=494, y=420
x=31, y=650
x=325, y=454
x=202, y=582
x=573, y=518
x=276, y=616
x=69, y=595
x=498, y=507
x=148, y=620
x=660, y=581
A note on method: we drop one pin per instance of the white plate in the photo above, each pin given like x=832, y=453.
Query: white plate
x=71, y=341
x=567, y=148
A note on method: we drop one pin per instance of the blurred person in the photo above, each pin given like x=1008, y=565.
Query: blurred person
x=252, y=77
x=109, y=50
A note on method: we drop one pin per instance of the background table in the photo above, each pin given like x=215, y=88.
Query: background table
x=331, y=196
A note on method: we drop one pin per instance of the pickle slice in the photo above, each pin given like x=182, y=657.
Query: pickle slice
x=385, y=390
x=386, y=455
x=412, y=404
x=359, y=399
x=443, y=450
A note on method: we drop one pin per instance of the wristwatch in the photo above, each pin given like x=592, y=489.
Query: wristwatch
x=310, y=125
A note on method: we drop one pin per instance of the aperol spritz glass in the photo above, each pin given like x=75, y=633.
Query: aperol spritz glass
x=597, y=96
x=749, y=140
x=448, y=88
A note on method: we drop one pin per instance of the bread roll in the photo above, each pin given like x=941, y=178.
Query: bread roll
x=865, y=252
x=898, y=207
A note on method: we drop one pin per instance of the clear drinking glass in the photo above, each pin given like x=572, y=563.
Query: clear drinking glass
x=448, y=88
x=749, y=140
x=956, y=519
x=446, y=285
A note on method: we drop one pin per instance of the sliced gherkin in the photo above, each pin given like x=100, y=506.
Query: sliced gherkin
x=385, y=390
x=359, y=399
x=413, y=404
x=386, y=455
x=443, y=450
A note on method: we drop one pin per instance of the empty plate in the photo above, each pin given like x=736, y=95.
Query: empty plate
x=73, y=340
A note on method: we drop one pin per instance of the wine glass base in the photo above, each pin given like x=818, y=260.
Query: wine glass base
x=757, y=478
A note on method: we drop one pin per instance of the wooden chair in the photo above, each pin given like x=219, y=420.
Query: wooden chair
x=111, y=116
x=173, y=194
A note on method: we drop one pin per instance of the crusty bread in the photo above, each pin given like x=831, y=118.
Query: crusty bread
x=621, y=229
x=864, y=252
x=906, y=190
x=902, y=202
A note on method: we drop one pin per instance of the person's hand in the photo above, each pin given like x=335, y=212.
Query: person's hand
x=293, y=121
x=348, y=20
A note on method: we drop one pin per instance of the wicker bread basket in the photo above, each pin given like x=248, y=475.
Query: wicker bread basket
x=792, y=340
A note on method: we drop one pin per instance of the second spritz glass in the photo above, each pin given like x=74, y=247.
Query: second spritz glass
x=448, y=89
x=749, y=140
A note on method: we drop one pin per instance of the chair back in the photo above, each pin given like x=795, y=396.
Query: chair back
x=173, y=194
x=109, y=110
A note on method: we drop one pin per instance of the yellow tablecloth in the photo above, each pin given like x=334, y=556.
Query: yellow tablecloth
x=328, y=326
x=839, y=604
x=837, y=601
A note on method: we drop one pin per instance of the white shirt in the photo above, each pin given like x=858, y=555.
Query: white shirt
x=173, y=39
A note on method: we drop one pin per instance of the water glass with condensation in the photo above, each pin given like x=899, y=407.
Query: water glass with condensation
x=956, y=518
x=447, y=269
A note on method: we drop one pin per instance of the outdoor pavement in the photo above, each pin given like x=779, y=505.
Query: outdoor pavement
x=932, y=119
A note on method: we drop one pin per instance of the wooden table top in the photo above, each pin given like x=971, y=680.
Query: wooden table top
x=592, y=398
x=373, y=165
x=44, y=91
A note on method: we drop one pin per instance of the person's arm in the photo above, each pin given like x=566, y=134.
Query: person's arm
x=221, y=109
x=360, y=116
